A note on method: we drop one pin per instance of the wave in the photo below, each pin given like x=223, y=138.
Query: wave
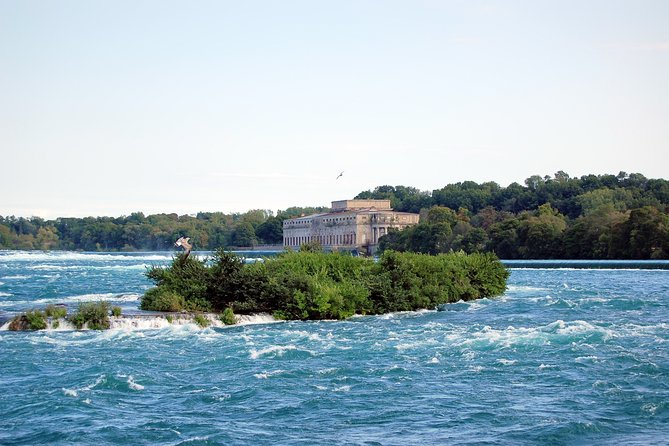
x=524, y=288
x=32, y=256
x=140, y=266
x=5, y=294
x=75, y=391
x=584, y=269
x=559, y=332
x=105, y=297
x=266, y=375
x=587, y=264
x=135, y=322
x=278, y=351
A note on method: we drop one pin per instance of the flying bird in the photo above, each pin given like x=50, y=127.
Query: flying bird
x=183, y=242
x=340, y=175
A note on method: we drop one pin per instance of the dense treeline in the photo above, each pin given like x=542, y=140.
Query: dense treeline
x=592, y=217
x=315, y=285
x=136, y=232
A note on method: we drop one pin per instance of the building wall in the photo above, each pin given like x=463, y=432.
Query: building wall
x=355, y=227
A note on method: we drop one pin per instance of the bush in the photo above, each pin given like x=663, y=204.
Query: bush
x=116, y=311
x=55, y=311
x=30, y=320
x=36, y=320
x=95, y=315
x=161, y=298
x=228, y=317
x=200, y=320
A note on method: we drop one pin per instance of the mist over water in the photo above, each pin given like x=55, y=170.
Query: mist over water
x=568, y=355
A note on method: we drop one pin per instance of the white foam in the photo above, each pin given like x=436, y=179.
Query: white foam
x=507, y=361
x=5, y=294
x=133, y=385
x=106, y=297
x=253, y=319
x=266, y=375
x=50, y=256
x=75, y=392
x=141, y=266
x=590, y=269
x=70, y=392
x=17, y=277
x=540, y=335
x=524, y=288
x=279, y=350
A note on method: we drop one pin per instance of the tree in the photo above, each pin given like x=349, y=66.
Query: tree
x=243, y=235
x=271, y=230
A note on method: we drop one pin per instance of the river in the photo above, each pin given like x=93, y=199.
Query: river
x=572, y=353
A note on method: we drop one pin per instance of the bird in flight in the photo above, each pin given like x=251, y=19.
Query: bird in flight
x=340, y=175
x=184, y=243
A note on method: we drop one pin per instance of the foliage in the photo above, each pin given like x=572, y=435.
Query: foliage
x=95, y=315
x=592, y=217
x=55, y=311
x=30, y=320
x=162, y=299
x=316, y=285
x=116, y=311
x=202, y=321
x=228, y=317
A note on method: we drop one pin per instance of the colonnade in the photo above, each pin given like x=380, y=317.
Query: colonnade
x=325, y=240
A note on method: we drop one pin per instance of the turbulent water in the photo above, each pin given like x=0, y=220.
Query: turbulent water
x=572, y=353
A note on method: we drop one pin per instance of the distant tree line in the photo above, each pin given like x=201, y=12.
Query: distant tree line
x=137, y=232
x=592, y=217
x=624, y=216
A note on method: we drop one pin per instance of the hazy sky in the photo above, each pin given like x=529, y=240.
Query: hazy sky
x=111, y=107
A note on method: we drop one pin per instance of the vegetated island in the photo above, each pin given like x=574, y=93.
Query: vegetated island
x=312, y=285
x=304, y=285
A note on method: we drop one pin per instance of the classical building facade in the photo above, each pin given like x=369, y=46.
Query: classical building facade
x=352, y=225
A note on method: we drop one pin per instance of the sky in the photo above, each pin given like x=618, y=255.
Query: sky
x=114, y=107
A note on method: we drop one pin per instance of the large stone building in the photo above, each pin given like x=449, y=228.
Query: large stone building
x=352, y=225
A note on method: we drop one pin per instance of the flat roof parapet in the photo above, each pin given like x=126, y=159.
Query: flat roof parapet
x=347, y=205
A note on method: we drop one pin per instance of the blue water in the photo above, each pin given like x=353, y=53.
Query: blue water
x=568, y=355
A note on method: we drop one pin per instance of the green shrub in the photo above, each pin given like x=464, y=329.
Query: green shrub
x=30, y=320
x=228, y=317
x=56, y=312
x=116, y=311
x=169, y=318
x=93, y=314
x=162, y=298
x=36, y=320
x=201, y=321
x=55, y=324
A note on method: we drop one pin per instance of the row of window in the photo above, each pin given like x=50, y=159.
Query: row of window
x=295, y=222
x=325, y=240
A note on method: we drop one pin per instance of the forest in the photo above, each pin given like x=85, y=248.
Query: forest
x=623, y=216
